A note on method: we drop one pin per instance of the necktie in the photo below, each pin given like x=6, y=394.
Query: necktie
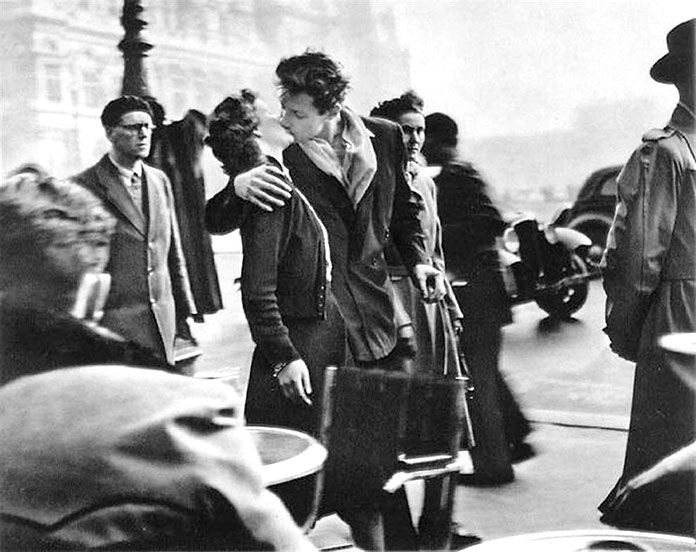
x=136, y=190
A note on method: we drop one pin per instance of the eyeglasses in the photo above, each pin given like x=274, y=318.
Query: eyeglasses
x=137, y=127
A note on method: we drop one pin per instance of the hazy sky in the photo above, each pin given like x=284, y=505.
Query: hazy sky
x=518, y=67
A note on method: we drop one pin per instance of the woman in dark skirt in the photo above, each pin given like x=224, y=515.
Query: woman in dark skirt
x=286, y=272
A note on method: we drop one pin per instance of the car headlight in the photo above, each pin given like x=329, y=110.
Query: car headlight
x=551, y=234
x=511, y=241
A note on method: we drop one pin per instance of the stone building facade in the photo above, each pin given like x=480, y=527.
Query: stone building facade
x=60, y=62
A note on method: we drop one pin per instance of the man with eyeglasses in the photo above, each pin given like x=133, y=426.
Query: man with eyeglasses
x=149, y=281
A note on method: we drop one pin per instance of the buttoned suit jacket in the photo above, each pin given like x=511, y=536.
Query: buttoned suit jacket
x=149, y=280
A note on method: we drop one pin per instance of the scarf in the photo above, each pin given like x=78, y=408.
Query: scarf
x=360, y=162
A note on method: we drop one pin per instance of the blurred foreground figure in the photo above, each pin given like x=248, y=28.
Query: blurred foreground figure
x=54, y=247
x=117, y=457
x=470, y=223
x=108, y=456
x=649, y=273
x=148, y=271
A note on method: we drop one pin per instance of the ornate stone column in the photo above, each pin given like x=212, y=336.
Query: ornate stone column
x=134, y=48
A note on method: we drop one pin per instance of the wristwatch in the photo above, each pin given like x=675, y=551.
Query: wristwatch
x=279, y=367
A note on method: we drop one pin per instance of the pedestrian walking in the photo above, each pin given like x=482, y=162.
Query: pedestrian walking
x=470, y=224
x=149, y=280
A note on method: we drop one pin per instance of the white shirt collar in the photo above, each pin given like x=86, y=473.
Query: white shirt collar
x=126, y=172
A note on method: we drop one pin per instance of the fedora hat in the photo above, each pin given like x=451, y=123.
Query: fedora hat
x=679, y=60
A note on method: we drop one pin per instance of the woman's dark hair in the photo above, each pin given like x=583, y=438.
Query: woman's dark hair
x=408, y=102
x=315, y=74
x=231, y=133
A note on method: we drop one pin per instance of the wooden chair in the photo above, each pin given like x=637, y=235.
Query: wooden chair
x=383, y=429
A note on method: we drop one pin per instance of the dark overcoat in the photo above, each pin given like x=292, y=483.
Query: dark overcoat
x=358, y=236
x=177, y=150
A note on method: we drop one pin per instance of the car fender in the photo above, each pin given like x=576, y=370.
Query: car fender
x=572, y=239
x=590, y=218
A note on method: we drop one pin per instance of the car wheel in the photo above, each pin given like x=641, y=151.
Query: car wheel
x=567, y=300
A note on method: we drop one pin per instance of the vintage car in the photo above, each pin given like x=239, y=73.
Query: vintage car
x=593, y=209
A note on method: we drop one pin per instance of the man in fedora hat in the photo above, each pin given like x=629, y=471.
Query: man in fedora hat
x=649, y=271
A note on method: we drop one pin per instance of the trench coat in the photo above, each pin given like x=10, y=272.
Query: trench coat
x=149, y=280
x=649, y=271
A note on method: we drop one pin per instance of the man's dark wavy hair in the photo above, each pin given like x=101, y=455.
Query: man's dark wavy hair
x=408, y=102
x=231, y=133
x=315, y=74
x=115, y=109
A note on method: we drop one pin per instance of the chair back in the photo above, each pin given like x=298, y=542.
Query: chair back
x=435, y=419
x=376, y=423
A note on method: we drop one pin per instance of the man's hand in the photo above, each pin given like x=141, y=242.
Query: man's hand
x=431, y=282
x=295, y=383
x=264, y=186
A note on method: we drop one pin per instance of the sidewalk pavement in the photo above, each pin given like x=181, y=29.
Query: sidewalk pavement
x=558, y=489
x=576, y=464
